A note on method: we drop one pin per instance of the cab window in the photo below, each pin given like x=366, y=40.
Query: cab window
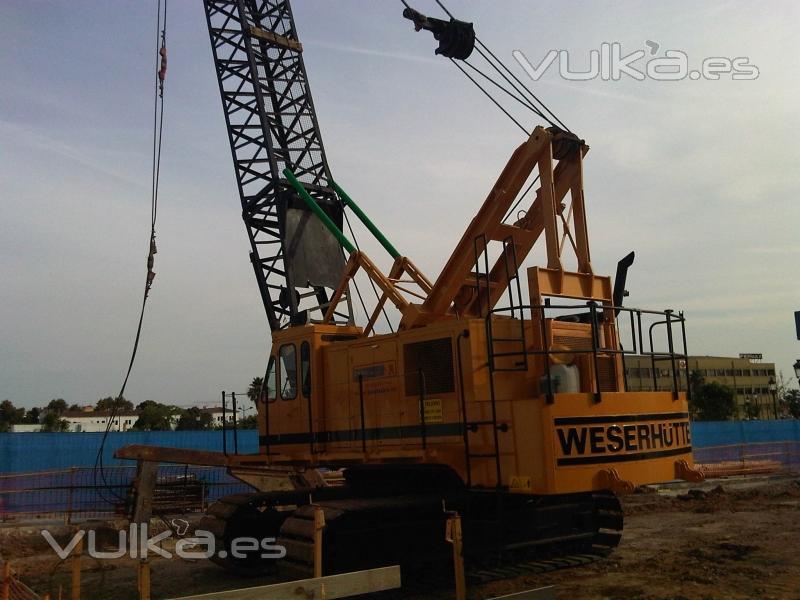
x=288, y=371
x=305, y=368
x=269, y=390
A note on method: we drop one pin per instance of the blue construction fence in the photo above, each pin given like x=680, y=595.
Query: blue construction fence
x=758, y=444
x=53, y=474
x=706, y=434
x=31, y=452
x=80, y=493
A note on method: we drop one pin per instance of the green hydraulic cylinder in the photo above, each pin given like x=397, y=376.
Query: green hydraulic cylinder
x=365, y=220
x=317, y=210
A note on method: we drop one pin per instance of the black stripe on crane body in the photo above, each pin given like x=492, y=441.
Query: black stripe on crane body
x=398, y=432
x=271, y=125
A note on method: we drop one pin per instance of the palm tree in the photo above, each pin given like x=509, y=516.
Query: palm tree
x=254, y=391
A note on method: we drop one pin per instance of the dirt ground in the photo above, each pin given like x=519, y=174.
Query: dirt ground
x=735, y=538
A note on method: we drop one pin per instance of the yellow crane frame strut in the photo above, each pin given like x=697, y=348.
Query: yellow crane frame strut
x=558, y=157
x=456, y=289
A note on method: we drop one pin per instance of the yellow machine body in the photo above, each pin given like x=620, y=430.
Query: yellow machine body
x=425, y=395
x=515, y=414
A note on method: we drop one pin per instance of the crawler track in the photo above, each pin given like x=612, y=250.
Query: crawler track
x=408, y=530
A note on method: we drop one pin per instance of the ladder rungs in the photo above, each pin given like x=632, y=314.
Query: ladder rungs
x=505, y=339
x=483, y=455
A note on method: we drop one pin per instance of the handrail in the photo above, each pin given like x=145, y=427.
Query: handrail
x=637, y=347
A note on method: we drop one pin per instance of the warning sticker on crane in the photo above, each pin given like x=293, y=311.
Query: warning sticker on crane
x=432, y=410
x=521, y=483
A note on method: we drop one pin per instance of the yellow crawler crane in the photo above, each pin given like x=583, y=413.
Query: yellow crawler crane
x=512, y=412
x=517, y=416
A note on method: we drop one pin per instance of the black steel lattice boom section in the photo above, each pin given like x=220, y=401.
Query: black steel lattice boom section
x=271, y=125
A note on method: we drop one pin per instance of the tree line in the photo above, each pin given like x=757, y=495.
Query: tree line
x=151, y=415
x=710, y=401
x=714, y=401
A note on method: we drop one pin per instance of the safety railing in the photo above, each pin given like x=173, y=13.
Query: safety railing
x=82, y=493
x=636, y=334
x=232, y=413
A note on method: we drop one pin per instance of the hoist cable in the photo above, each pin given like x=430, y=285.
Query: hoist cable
x=511, y=83
x=488, y=95
x=520, y=199
x=522, y=101
x=485, y=92
x=158, y=124
x=526, y=88
x=502, y=64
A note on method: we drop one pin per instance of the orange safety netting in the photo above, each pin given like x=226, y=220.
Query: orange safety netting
x=739, y=467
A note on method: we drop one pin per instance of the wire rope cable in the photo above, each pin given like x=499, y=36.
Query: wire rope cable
x=158, y=125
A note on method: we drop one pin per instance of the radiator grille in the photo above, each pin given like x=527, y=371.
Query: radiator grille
x=435, y=359
x=573, y=342
x=607, y=374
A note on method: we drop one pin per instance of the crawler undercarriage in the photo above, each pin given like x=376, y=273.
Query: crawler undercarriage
x=397, y=515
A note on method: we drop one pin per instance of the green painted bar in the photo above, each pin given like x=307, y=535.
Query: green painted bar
x=317, y=210
x=365, y=220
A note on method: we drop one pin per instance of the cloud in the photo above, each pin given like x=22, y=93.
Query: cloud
x=793, y=250
x=35, y=139
x=697, y=177
x=372, y=52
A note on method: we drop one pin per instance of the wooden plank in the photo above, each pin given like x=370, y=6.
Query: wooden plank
x=453, y=535
x=144, y=486
x=75, y=588
x=182, y=456
x=319, y=525
x=543, y=593
x=276, y=39
x=144, y=579
x=5, y=594
x=343, y=585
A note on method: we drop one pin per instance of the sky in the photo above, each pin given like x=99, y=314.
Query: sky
x=698, y=177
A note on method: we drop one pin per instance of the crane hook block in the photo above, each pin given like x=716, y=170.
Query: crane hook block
x=456, y=38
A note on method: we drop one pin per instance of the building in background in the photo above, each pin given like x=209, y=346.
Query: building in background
x=26, y=428
x=97, y=420
x=89, y=420
x=752, y=381
x=216, y=415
